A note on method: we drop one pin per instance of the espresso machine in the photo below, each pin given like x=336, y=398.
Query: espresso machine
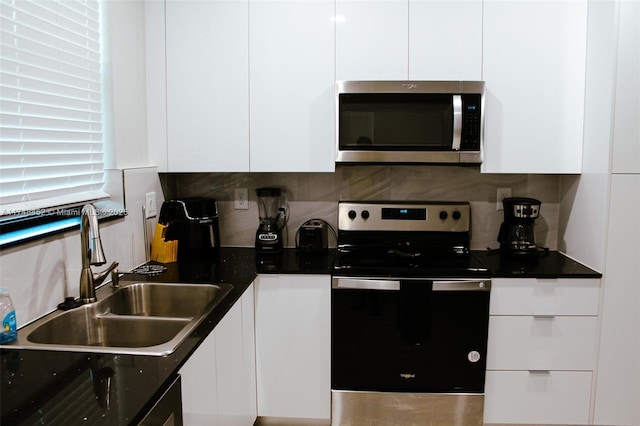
x=517, y=235
x=272, y=210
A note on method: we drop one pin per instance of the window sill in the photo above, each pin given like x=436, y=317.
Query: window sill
x=36, y=232
x=64, y=219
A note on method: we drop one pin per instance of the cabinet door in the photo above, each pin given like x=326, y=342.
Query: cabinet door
x=618, y=381
x=534, y=55
x=293, y=346
x=292, y=86
x=445, y=40
x=235, y=364
x=626, y=145
x=207, y=72
x=155, y=60
x=541, y=343
x=551, y=397
x=218, y=380
x=538, y=296
x=199, y=388
x=372, y=40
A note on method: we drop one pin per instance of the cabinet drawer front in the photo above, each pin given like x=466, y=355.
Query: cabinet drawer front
x=560, y=397
x=533, y=296
x=541, y=343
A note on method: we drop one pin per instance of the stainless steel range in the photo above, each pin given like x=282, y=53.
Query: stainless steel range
x=410, y=312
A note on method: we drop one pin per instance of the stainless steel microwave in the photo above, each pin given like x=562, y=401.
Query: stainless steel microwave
x=409, y=121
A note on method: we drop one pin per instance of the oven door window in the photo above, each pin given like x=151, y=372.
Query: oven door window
x=411, y=340
x=396, y=122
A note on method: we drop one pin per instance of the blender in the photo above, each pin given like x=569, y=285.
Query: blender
x=272, y=210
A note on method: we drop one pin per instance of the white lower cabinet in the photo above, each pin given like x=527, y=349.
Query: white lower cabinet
x=553, y=397
x=541, y=350
x=218, y=380
x=293, y=346
x=541, y=343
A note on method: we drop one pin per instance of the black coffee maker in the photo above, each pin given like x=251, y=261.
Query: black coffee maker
x=517, y=235
x=194, y=223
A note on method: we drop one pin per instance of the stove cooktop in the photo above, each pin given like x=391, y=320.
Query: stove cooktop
x=405, y=239
x=396, y=263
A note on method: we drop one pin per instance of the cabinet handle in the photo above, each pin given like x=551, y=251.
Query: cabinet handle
x=540, y=372
x=544, y=316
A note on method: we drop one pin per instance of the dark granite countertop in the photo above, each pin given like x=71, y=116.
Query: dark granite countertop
x=69, y=388
x=66, y=388
x=550, y=264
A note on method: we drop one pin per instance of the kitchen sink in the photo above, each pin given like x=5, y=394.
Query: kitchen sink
x=138, y=318
x=107, y=331
x=163, y=300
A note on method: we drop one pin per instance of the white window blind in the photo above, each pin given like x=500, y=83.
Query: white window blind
x=51, y=148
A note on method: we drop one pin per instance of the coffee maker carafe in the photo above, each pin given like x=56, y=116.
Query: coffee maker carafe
x=517, y=235
x=272, y=210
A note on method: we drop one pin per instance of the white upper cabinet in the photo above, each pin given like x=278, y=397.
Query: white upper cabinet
x=445, y=40
x=292, y=86
x=408, y=39
x=207, y=74
x=626, y=146
x=220, y=117
x=372, y=40
x=534, y=58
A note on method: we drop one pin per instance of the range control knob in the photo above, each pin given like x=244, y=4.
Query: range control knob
x=352, y=214
x=444, y=215
x=365, y=214
x=456, y=215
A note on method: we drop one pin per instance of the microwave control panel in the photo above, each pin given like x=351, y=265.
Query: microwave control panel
x=471, y=125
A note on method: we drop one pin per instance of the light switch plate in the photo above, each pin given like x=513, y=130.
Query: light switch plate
x=501, y=194
x=241, y=201
x=150, y=204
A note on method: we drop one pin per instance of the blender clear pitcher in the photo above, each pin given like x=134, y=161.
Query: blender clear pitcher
x=272, y=211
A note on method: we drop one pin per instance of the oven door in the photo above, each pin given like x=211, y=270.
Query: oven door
x=407, y=335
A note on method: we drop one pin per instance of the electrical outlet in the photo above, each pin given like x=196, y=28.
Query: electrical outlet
x=501, y=194
x=150, y=205
x=241, y=199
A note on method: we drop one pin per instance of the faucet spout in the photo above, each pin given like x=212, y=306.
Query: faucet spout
x=92, y=254
x=99, y=277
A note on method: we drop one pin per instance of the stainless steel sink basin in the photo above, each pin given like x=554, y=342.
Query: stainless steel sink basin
x=138, y=318
x=163, y=300
x=107, y=331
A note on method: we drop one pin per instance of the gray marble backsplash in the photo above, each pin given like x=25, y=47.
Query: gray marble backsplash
x=316, y=195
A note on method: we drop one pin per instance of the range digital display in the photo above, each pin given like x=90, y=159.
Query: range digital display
x=403, y=213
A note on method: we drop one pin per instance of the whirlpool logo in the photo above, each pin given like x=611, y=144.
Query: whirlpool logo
x=407, y=376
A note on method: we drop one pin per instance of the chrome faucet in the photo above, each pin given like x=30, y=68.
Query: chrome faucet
x=92, y=254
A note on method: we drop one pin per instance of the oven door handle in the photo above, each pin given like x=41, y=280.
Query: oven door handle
x=366, y=284
x=394, y=285
x=462, y=285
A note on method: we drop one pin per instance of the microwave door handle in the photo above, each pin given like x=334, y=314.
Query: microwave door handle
x=457, y=122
